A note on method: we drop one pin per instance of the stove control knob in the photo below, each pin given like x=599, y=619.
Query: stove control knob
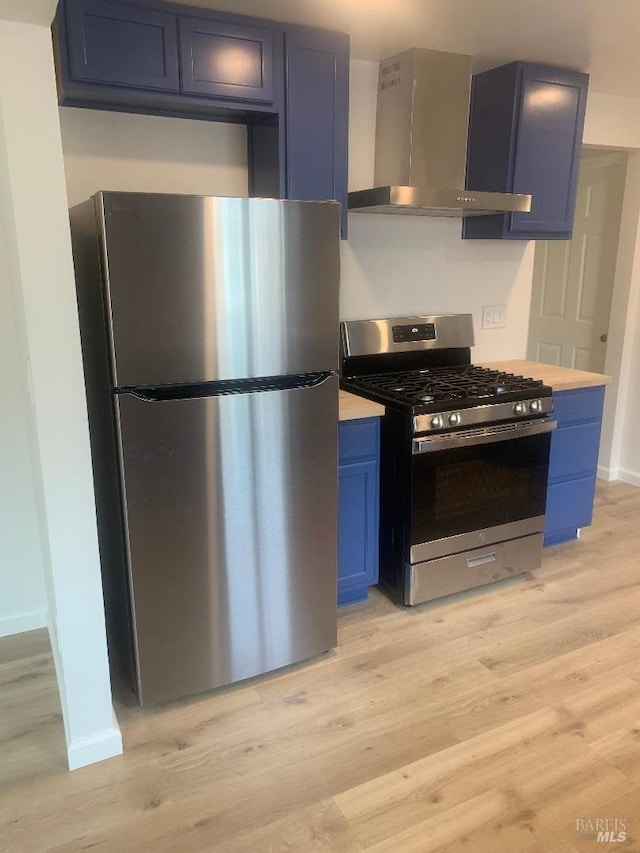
x=535, y=407
x=436, y=422
x=519, y=409
x=455, y=419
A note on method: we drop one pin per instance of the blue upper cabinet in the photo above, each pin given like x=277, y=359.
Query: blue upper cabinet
x=525, y=136
x=155, y=57
x=146, y=39
x=289, y=85
x=226, y=60
x=317, y=105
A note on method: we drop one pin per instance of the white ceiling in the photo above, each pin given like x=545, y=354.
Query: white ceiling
x=598, y=36
x=28, y=11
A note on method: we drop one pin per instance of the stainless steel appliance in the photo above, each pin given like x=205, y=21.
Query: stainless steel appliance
x=422, y=122
x=464, y=456
x=210, y=343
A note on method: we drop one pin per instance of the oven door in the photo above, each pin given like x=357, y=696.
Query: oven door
x=475, y=487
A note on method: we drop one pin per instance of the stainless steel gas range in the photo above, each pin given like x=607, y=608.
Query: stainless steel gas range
x=464, y=455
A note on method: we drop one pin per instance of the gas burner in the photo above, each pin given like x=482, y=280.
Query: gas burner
x=445, y=388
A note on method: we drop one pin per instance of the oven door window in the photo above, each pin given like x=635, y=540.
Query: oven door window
x=459, y=490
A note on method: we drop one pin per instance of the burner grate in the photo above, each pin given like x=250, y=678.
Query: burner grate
x=466, y=383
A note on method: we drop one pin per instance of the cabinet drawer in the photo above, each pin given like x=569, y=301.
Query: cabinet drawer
x=574, y=451
x=120, y=44
x=226, y=60
x=358, y=438
x=570, y=504
x=582, y=404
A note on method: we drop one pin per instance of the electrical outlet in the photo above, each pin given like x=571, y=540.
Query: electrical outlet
x=494, y=316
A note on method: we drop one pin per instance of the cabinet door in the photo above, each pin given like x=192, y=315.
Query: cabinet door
x=573, y=462
x=317, y=83
x=226, y=60
x=357, y=529
x=569, y=507
x=121, y=44
x=525, y=135
x=547, y=158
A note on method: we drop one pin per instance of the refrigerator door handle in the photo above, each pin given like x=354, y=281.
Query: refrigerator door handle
x=225, y=387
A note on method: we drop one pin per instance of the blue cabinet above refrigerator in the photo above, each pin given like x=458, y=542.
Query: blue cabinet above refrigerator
x=288, y=84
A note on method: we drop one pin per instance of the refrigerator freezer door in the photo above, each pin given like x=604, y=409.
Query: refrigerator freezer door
x=206, y=288
x=231, y=508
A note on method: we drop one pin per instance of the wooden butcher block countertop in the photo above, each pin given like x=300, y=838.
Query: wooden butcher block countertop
x=352, y=407
x=559, y=378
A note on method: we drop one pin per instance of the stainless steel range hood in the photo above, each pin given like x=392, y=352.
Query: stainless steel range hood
x=421, y=141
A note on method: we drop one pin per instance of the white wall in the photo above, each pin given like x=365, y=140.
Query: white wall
x=394, y=265
x=22, y=593
x=34, y=222
x=612, y=120
x=397, y=265
x=123, y=151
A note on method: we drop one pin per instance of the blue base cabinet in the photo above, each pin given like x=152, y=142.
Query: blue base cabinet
x=358, y=507
x=573, y=463
x=525, y=136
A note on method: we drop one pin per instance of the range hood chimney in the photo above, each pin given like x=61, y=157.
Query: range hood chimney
x=422, y=124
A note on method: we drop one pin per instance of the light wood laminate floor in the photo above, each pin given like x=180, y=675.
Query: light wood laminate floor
x=491, y=722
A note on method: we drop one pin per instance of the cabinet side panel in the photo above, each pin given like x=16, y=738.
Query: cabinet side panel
x=490, y=150
x=317, y=81
x=266, y=166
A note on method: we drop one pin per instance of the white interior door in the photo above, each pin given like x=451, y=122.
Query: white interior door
x=573, y=279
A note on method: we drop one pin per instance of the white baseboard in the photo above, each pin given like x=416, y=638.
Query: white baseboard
x=608, y=474
x=18, y=623
x=98, y=747
x=627, y=476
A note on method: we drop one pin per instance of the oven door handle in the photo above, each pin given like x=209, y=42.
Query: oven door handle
x=484, y=435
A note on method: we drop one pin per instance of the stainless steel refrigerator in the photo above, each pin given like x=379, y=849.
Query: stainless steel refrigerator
x=210, y=344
